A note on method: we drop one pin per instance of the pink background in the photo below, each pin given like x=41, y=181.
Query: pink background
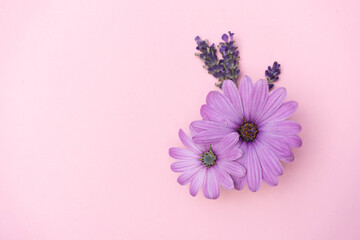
x=92, y=94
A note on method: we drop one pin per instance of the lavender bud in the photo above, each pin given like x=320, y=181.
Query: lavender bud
x=272, y=74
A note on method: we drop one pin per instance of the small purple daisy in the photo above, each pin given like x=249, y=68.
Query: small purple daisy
x=207, y=165
x=259, y=121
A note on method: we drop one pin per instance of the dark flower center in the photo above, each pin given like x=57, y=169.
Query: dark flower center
x=248, y=131
x=208, y=159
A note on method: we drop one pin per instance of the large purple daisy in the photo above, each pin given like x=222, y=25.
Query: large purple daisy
x=259, y=121
x=207, y=165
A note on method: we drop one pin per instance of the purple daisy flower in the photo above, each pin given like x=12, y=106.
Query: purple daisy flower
x=207, y=165
x=259, y=121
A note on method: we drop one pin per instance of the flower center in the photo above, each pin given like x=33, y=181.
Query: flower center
x=248, y=131
x=208, y=159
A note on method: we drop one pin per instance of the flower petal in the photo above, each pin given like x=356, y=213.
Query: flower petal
x=239, y=182
x=203, y=147
x=269, y=178
x=224, y=178
x=211, y=187
x=209, y=137
x=208, y=132
x=218, y=101
x=293, y=141
x=232, y=167
x=193, y=131
x=275, y=144
x=187, y=176
x=204, y=125
x=214, y=115
x=185, y=165
x=258, y=100
x=289, y=140
x=285, y=111
x=228, y=142
x=182, y=154
x=253, y=169
x=232, y=93
x=288, y=158
x=281, y=128
x=268, y=160
x=246, y=87
x=211, y=114
x=274, y=101
x=197, y=182
x=230, y=155
x=187, y=141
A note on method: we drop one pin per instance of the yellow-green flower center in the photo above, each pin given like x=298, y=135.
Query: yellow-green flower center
x=208, y=159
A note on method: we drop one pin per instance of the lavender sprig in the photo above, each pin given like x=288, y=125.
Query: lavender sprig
x=228, y=66
x=208, y=56
x=272, y=74
x=230, y=55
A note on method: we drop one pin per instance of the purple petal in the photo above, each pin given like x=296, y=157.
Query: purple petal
x=218, y=101
x=197, y=182
x=285, y=111
x=232, y=167
x=185, y=165
x=209, y=132
x=275, y=144
x=288, y=158
x=290, y=140
x=258, y=100
x=246, y=87
x=209, y=113
x=209, y=137
x=268, y=160
x=228, y=142
x=233, y=94
x=281, y=128
x=274, y=101
x=187, y=176
x=269, y=178
x=253, y=169
x=211, y=187
x=193, y=132
x=224, y=178
x=203, y=125
x=230, y=155
x=182, y=154
x=239, y=182
x=293, y=141
x=187, y=141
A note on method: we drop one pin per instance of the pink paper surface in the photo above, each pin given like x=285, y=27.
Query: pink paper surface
x=92, y=94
